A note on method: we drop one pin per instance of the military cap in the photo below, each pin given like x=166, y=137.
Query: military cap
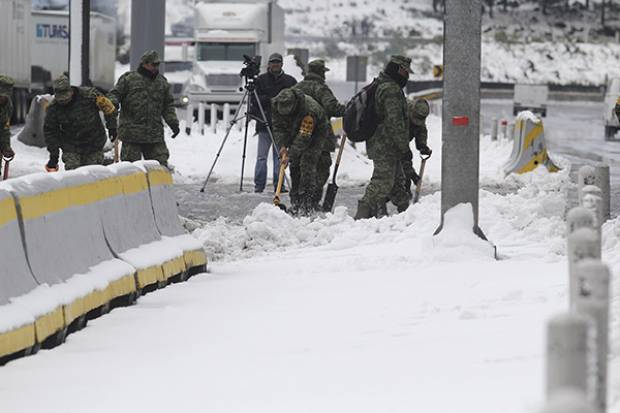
x=287, y=101
x=275, y=57
x=62, y=89
x=402, y=61
x=6, y=86
x=317, y=66
x=418, y=111
x=150, y=56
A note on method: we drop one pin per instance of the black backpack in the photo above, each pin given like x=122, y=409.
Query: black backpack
x=360, y=118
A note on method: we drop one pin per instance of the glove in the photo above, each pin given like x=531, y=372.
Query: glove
x=175, y=131
x=284, y=157
x=52, y=164
x=8, y=153
x=410, y=172
x=425, y=150
x=113, y=132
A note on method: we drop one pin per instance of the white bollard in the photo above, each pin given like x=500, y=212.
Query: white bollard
x=568, y=401
x=241, y=118
x=494, y=129
x=505, y=129
x=227, y=115
x=585, y=176
x=189, y=118
x=601, y=179
x=569, y=346
x=201, y=118
x=511, y=130
x=593, y=301
x=582, y=243
x=591, y=197
x=213, y=124
x=580, y=217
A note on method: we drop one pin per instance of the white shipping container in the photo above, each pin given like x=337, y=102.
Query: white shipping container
x=15, y=41
x=50, y=45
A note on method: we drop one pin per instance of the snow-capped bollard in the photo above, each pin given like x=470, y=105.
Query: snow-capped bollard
x=593, y=301
x=226, y=115
x=189, y=118
x=568, y=401
x=213, y=113
x=583, y=243
x=505, y=129
x=602, y=181
x=591, y=197
x=580, y=217
x=511, y=130
x=586, y=176
x=201, y=118
x=241, y=124
x=494, y=129
x=569, y=346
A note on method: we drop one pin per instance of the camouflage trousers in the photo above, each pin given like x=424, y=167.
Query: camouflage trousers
x=135, y=151
x=322, y=174
x=304, y=179
x=73, y=160
x=388, y=182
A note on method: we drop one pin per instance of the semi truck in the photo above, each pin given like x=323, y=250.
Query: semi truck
x=225, y=31
x=34, y=45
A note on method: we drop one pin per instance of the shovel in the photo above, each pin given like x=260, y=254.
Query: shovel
x=276, y=197
x=117, y=156
x=332, y=188
x=5, y=174
x=418, y=187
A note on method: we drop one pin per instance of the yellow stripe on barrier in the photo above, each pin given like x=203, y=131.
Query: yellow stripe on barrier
x=159, y=177
x=149, y=276
x=121, y=287
x=8, y=212
x=49, y=324
x=74, y=310
x=17, y=340
x=533, y=135
x=173, y=267
x=195, y=258
x=134, y=183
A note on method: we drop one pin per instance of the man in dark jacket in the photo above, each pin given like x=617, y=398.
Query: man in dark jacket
x=73, y=124
x=268, y=85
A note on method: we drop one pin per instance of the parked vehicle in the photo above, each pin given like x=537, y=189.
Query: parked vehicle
x=530, y=97
x=610, y=120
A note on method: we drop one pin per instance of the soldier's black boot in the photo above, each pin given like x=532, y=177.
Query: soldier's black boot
x=402, y=208
x=363, y=211
x=381, y=210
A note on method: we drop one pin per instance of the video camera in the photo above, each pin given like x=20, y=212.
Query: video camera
x=252, y=67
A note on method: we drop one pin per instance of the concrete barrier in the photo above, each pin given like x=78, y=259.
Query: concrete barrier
x=131, y=230
x=166, y=214
x=29, y=313
x=65, y=246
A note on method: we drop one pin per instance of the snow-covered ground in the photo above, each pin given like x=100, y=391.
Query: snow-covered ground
x=330, y=314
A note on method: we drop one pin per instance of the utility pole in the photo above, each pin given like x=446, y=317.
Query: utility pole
x=461, y=107
x=79, y=42
x=603, y=14
x=148, y=19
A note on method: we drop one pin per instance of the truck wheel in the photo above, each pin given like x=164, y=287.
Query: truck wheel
x=610, y=132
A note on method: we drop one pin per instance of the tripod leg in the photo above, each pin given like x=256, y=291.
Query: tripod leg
x=273, y=141
x=229, y=128
x=245, y=144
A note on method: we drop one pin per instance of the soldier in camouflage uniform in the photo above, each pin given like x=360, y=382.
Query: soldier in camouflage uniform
x=401, y=193
x=144, y=97
x=73, y=124
x=6, y=111
x=300, y=129
x=390, y=142
x=617, y=108
x=314, y=86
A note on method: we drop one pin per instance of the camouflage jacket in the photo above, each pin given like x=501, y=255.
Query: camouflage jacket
x=314, y=86
x=306, y=129
x=6, y=111
x=392, y=135
x=144, y=100
x=617, y=109
x=77, y=127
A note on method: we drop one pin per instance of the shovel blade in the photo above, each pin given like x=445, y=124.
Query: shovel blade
x=330, y=197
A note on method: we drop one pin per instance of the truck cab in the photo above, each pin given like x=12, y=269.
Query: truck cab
x=224, y=32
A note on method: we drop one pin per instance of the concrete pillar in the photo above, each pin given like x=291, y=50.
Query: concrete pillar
x=585, y=176
x=461, y=107
x=511, y=131
x=505, y=129
x=494, y=130
x=148, y=19
x=201, y=118
x=568, y=401
x=593, y=301
x=582, y=243
x=569, y=364
x=189, y=118
x=601, y=179
x=226, y=116
x=213, y=123
x=591, y=197
x=580, y=217
x=79, y=42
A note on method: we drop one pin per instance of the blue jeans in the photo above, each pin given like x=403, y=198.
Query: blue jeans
x=260, y=170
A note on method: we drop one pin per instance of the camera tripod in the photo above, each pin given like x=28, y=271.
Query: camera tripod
x=250, y=91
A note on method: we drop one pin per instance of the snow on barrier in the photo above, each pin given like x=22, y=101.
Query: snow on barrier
x=131, y=230
x=65, y=246
x=529, y=148
x=28, y=313
x=167, y=216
